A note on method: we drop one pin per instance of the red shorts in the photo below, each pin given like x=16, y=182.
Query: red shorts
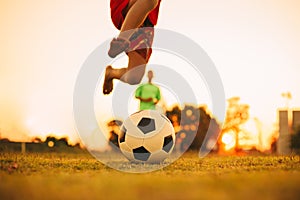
x=141, y=41
x=117, y=8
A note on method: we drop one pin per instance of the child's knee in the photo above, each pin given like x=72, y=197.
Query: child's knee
x=134, y=80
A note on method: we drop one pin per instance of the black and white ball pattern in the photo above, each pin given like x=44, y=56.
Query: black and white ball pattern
x=147, y=136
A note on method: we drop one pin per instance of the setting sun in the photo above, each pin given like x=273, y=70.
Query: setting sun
x=229, y=140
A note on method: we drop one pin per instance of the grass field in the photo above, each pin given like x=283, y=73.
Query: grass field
x=80, y=176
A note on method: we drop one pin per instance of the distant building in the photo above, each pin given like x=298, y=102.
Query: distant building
x=296, y=120
x=283, y=143
x=286, y=128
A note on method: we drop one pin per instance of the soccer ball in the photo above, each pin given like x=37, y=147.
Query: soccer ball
x=147, y=137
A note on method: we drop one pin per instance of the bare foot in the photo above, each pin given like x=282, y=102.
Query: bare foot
x=108, y=81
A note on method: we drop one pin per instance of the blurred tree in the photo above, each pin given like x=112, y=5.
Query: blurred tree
x=174, y=116
x=206, y=126
x=37, y=140
x=194, y=123
x=236, y=115
x=56, y=144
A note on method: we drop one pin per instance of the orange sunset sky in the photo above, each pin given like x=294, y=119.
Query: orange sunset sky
x=254, y=44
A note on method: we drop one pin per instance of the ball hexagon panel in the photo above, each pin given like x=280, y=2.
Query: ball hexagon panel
x=133, y=142
x=161, y=127
x=154, y=143
x=127, y=152
x=160, y=122
x=132, y=130
x=124, y=147
x=157, y=157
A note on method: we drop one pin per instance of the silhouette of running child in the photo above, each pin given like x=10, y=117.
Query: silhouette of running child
x=136, y=20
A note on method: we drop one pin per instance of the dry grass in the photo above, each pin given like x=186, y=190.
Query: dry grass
x=80, y=176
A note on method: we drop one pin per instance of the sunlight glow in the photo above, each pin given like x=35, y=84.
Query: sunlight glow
x=229, y=140
x=30, y=121
x=50, y=144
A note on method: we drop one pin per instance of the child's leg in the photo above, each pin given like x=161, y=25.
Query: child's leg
x=132, y=75
x=137, y=12
x=135, y=70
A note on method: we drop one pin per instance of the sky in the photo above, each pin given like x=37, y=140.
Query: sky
x=254, y=44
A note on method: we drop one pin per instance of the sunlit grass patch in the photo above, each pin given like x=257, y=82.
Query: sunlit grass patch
x=81, y=176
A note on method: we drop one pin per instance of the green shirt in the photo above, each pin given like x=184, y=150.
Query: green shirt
x=145, y=91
